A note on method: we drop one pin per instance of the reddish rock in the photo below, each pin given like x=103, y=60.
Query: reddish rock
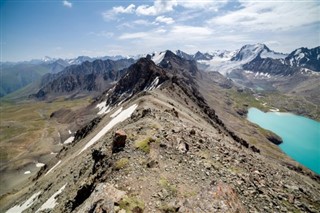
x=119, y=141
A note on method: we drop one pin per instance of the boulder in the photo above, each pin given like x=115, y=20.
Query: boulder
x=119, y=141
x=272, y=137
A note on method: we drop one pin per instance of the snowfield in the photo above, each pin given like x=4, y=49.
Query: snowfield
x=51, y=202
x=116, y=113
x=20, y=208
x=125, y=114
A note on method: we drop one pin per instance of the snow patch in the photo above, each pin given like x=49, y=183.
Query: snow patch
x=274, y=110
x=291, y=62
x=70, y=132
x=300, y=56
x=273, y=55
x=153, y=84
x=53, y=167
x=116, y=113
x=69, y=140
x=20, y=208
x=52, y=202
x=27, y=172
x=158, y=57
x=125, y=114
x=39, y=165
x=103, y=109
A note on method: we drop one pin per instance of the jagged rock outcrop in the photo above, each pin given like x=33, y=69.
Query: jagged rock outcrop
x=141, y=75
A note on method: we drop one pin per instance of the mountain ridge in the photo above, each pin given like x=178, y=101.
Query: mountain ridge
x=173, y=154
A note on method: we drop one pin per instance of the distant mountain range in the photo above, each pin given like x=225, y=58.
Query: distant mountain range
x=92, y=77
x=257, y=58
x=16, y=75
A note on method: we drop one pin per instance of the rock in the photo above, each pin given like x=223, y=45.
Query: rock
x=145, y=112
x=272, y=137
x=102, y=199
x=192, y=132
x=84, y=131
x=119, y=141
x=152, y=164
x=242, y=112
x=183, y=147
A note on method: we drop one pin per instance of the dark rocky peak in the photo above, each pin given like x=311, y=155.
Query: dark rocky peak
x=144, y=75
x=184, y=55
x=304, y=57
x=202, y=56
x=270, y=66
x=178, y=65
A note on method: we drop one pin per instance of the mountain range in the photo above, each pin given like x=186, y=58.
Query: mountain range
x=162, y=135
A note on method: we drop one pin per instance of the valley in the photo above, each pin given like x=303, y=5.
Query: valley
x=29, y=136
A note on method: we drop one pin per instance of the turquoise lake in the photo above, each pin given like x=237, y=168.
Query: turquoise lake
x=300, y=135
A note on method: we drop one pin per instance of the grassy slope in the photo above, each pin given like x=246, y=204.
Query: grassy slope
x=25, y=126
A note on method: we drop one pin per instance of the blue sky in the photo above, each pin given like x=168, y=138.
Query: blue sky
x=66, y=29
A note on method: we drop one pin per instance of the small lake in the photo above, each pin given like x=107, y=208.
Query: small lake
x=300, y=135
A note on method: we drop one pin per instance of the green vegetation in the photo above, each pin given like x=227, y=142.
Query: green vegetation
x=121, y=163
x=144, y=145
x=131, y=204
x=244, y=99
x=164, y=183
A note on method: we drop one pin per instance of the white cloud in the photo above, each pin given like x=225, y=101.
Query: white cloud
x=168, y=36
x=67, y=3
x=120, y=9
x=159, y=7
x=212, y=5
x=111, y=14
x=191, y=31
x=102, y=34
x=142, y=22
x=270, y=16
x=163, y=19
x=138, y=35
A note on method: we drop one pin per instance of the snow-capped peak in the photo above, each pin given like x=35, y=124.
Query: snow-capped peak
x=158, y=57
x=249, y=52
x=48, y=59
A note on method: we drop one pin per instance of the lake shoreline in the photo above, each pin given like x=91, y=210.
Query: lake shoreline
x=300, y=135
